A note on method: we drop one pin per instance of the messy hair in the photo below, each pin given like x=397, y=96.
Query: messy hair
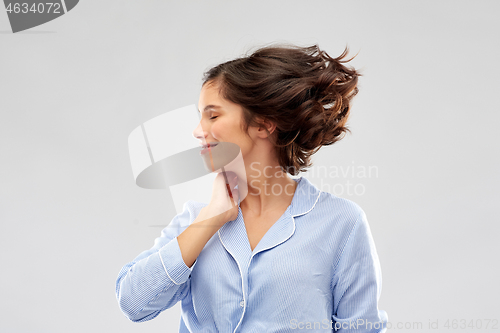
x=302, y=90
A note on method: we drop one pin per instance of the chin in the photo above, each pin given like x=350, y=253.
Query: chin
x=219, y=156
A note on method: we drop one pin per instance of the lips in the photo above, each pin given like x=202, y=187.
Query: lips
x=206, y=147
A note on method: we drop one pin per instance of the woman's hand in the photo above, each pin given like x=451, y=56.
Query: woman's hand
x=211, y=218
x=221, y=205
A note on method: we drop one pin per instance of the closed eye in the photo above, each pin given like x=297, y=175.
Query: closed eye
x=213, y=117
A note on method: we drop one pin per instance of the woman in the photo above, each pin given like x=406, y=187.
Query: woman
x=288, y=256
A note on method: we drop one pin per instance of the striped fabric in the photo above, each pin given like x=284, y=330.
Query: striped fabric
x=316, y=269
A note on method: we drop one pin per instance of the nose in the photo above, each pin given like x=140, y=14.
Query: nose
x=199, y=133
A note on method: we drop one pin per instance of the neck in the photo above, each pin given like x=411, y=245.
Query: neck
x=268, y=187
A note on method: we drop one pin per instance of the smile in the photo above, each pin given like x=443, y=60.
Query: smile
x=206, y=148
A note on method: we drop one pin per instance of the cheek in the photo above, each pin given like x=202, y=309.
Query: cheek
x=228, y=131
x=217, y=131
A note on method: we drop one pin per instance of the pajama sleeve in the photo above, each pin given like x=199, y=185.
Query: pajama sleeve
x=158, y=278
x=357, y=284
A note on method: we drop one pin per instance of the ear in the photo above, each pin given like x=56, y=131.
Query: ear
x=266, y=128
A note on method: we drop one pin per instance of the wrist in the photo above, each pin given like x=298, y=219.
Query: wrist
x=209, y=218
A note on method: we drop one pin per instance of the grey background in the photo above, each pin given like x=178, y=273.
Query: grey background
x=73, y=89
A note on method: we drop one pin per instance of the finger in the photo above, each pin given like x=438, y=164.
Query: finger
x=221, y=177
x=226, y=176
x=234, y=181
x=236, y=196
x=229, y=192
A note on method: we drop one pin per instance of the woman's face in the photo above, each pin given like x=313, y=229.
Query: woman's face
x=221, y=120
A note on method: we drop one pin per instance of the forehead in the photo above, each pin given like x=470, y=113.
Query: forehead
x=210, y=99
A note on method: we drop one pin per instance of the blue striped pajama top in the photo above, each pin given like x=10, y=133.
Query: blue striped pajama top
x=315, y=270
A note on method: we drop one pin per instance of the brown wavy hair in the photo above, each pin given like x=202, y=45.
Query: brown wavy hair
x=302, y=90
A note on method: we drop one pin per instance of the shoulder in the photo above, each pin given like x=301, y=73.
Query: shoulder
x=179, y=223
x=335, y=206
x=193, y=206
x=190, y=210
x=340, y=217
x=332, y=223
x=312, y=199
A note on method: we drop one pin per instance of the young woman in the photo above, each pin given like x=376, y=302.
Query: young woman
x=288, y=256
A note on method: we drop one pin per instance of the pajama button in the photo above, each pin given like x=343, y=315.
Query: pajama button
x=242, y=303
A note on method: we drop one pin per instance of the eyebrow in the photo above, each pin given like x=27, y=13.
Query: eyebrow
x=211, y=106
